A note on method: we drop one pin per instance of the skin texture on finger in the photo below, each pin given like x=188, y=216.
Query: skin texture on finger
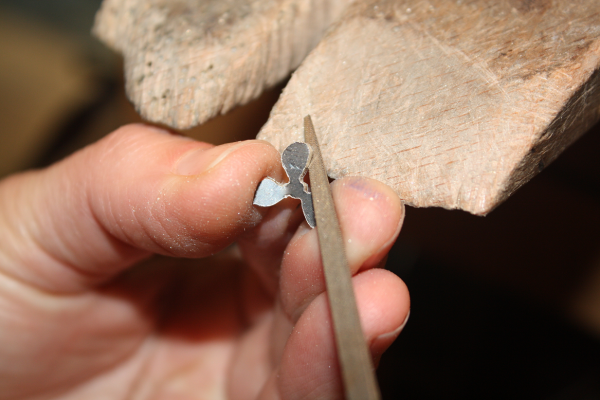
x=270, y=390
x=52, y=341
x=370, y=216
x=309, y=368
x=264, y=246
x=251, y=366
x=138, y=191
x=258, y=354
x=165, y=329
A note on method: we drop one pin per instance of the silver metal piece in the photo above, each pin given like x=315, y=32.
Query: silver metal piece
x=295, y=159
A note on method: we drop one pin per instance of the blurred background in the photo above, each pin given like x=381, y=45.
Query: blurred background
x=503, y=306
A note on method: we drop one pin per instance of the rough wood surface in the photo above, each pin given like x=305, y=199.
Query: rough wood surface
x=452, y=103
x=189, y=60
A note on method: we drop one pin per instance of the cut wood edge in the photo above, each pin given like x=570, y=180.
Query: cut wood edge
x=510, y=123
x=188, y=61
x=577, y=116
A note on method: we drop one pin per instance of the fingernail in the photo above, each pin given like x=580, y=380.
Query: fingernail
x=382, y=342
x=201, y=160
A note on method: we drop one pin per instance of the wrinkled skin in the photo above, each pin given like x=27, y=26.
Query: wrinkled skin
x=89, y=311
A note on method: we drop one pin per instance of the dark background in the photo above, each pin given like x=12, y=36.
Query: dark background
x=503, y=306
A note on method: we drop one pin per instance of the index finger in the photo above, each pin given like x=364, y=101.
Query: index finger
x=136, y=192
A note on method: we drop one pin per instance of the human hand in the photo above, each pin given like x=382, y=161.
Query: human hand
x=86, y=311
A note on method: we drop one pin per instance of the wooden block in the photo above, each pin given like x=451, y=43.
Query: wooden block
x=454, y=104
x=189, y=60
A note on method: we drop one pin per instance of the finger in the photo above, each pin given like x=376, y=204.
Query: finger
x=309, y=368
x=263, y=247
x=251, y=366
x=370, y=215
x=138, y=191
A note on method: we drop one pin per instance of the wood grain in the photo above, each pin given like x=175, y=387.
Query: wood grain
x=454, y=104
x=189, y=60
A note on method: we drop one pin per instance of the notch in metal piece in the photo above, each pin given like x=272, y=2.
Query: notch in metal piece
x=295, y=159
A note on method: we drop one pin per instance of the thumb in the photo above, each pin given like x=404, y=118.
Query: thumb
x=138, y=191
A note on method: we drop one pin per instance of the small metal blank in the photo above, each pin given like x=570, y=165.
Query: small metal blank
x=295, y=159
